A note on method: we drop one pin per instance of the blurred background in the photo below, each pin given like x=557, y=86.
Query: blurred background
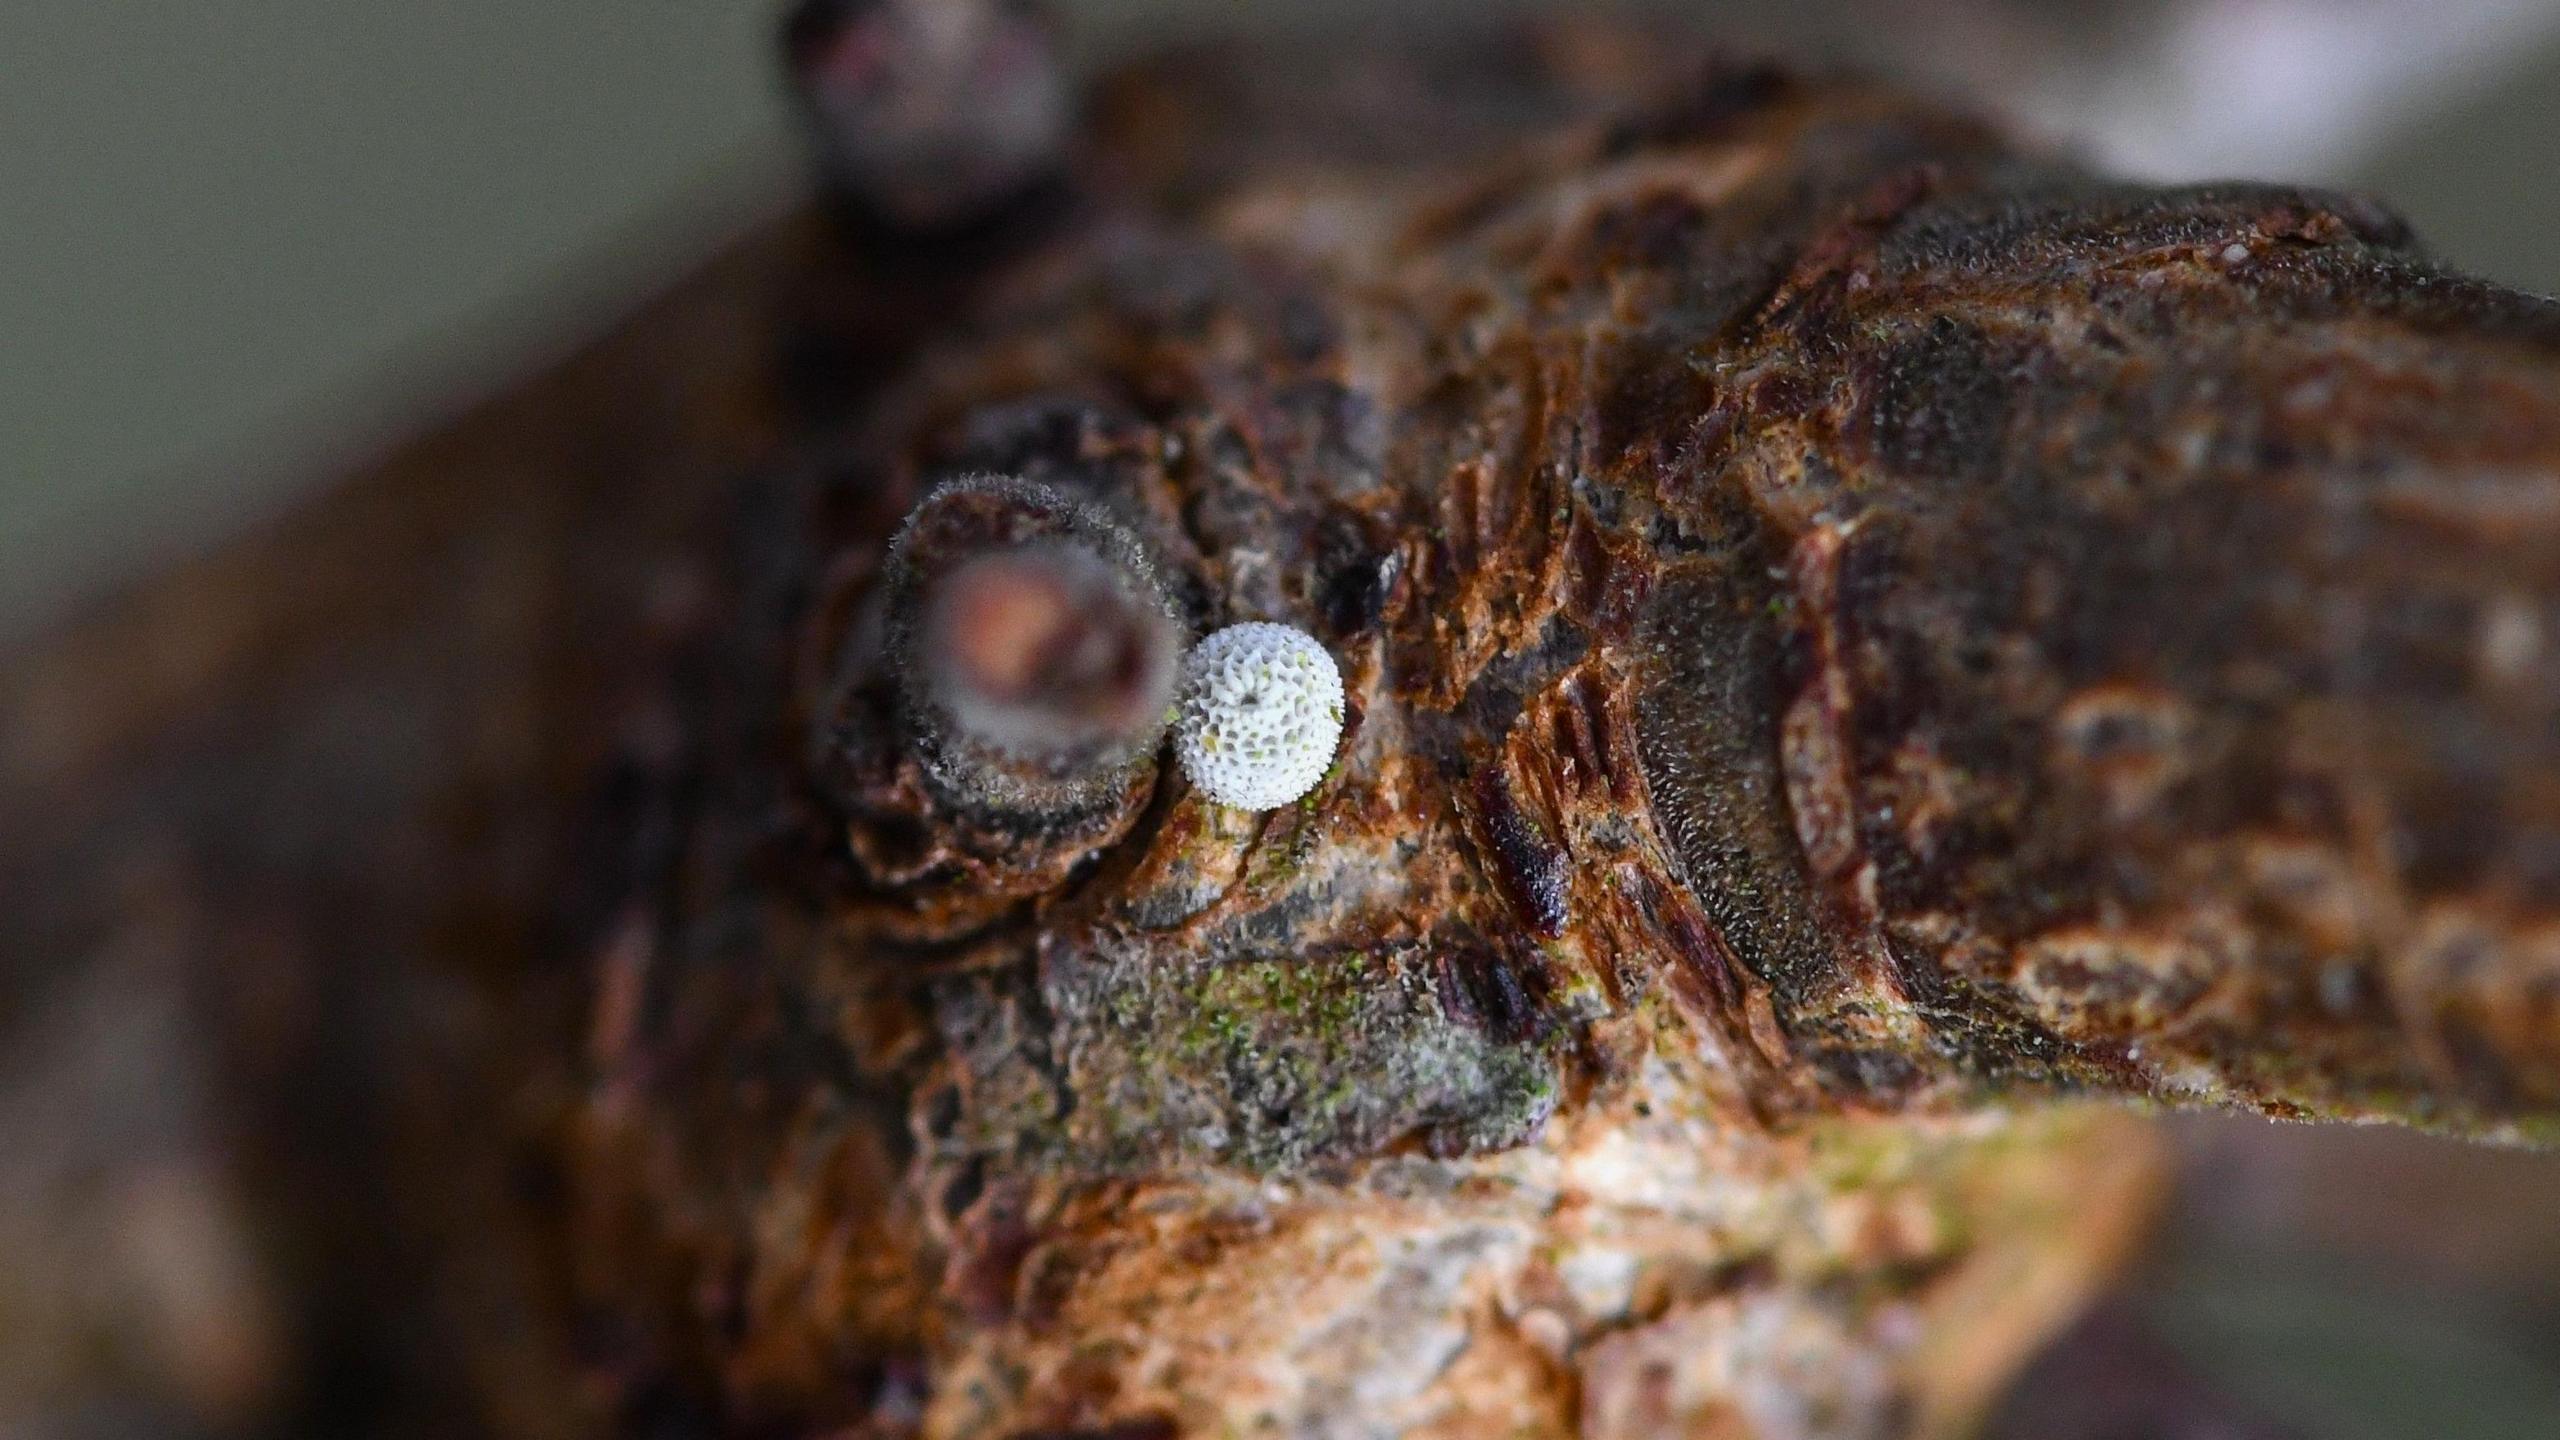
x=245, y=245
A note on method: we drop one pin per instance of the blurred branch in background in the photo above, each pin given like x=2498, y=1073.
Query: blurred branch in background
x=2274, y=87
x=2192, y=89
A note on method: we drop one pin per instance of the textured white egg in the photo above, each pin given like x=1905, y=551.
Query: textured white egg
x=1261, y=714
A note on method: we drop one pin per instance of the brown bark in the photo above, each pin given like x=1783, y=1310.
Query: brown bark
x=1852, y=634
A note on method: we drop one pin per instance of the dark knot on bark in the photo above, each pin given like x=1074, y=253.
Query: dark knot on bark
x=929, y=116
x=1034, y=648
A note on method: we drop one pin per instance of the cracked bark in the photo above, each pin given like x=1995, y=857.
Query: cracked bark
x=1857, y=639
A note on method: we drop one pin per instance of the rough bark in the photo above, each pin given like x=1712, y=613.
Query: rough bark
x=1853, y=634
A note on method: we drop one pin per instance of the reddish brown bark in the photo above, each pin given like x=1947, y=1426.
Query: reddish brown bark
x=1852, y=633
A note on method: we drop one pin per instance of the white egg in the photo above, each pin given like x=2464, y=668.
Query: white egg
x=1261, y=713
